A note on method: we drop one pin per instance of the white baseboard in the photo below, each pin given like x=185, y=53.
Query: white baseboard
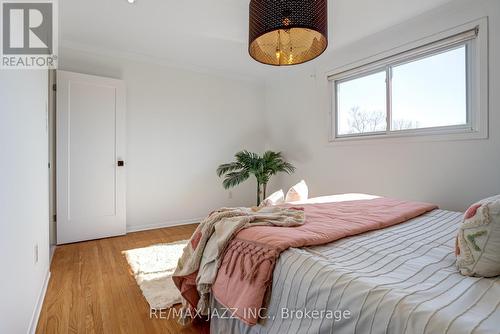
x=39, y=304
x=162, y=225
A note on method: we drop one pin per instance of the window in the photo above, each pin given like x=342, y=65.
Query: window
x=361, y=105
x=425, y=90
x=430, y=92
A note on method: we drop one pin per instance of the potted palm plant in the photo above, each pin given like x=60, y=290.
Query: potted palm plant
x=249, y=163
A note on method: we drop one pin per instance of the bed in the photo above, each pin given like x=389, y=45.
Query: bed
x=401, y=279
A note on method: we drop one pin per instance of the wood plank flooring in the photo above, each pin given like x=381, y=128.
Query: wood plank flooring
x=92, y=290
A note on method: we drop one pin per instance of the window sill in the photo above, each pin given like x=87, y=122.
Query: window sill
x=426, y=135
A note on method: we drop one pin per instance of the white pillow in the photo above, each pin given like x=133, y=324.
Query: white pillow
x=278, y=197
x=478, y=239
x=298, y=192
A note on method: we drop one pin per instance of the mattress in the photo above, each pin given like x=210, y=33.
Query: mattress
x=401, y=279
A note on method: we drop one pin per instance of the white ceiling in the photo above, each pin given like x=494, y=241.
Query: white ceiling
x=209, y=34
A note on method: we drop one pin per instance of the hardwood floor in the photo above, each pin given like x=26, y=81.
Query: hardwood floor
x=92, y=290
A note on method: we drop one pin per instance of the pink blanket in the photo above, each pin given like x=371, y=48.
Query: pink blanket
x=248, y=264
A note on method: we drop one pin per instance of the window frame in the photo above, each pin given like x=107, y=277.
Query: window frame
x=472, y=36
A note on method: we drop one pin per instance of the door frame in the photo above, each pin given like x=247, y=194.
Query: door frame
x=52, y=162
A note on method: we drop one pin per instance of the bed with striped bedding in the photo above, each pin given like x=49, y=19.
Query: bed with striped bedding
x=401, y=279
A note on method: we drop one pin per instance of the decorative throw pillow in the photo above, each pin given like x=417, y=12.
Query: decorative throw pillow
x=298, y=192
x=277, y=197
x=478, y=240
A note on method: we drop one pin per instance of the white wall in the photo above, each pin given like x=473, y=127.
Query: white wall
x=181, y=125
x=24, y=197
x=450, y=173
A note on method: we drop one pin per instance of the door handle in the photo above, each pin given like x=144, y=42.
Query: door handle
x=120, y=163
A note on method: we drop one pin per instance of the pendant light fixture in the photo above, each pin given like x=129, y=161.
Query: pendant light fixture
x=287, y=32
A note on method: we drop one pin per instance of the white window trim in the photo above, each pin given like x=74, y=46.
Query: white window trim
x=477, y=90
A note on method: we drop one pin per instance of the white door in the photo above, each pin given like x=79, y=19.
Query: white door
x=90, y=167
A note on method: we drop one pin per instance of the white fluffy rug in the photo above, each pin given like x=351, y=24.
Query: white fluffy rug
x=153, y=267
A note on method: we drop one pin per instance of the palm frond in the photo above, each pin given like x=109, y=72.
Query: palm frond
x=234, y=178
x=286, y=167
x=274, y=163
x=229, y=167
x=271, y=156
x=248, y=159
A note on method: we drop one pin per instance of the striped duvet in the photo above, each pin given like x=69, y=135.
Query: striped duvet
x=401, y=279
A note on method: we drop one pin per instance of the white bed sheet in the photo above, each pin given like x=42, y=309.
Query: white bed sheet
x=401, y=279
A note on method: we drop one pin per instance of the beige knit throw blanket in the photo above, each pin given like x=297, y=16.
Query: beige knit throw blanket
x=197, y=268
